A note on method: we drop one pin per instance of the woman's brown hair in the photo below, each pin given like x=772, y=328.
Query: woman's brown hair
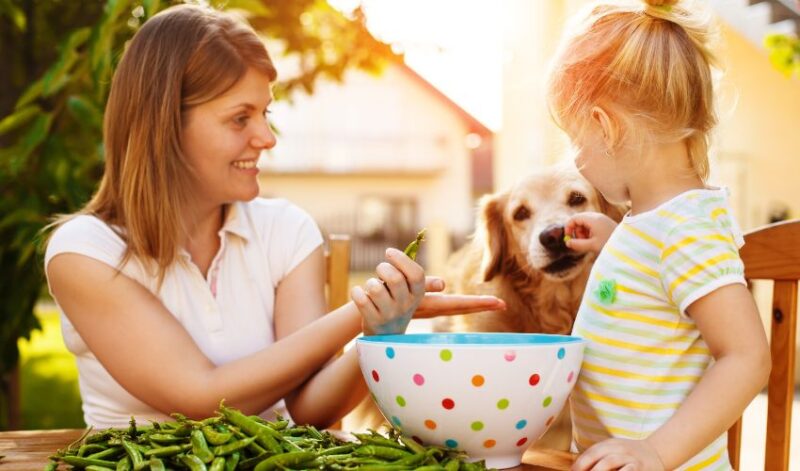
x=184, y=56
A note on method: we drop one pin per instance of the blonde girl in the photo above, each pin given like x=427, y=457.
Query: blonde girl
x=670, y=324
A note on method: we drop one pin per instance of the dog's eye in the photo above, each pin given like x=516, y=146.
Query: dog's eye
x=576, y=199
x=522, y=213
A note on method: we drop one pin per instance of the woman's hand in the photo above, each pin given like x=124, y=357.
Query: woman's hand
x=388, y=302
x=619, y=454
x=588, y=232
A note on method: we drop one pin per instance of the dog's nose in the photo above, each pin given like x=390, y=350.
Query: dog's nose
x=552, y=238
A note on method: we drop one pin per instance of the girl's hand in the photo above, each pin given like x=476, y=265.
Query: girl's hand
x=588, y=232
x=619, y=454
x=388, y=302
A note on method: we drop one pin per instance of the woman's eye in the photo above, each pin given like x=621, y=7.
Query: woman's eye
x=241, y=120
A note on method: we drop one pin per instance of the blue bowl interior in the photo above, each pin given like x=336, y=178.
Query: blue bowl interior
x=477, y=339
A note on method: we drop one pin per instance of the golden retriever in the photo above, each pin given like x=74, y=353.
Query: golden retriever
x=517, y=253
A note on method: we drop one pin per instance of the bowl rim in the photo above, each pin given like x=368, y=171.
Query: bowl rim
x=472, y=339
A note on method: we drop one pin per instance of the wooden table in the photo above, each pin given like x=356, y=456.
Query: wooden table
x=30, y=449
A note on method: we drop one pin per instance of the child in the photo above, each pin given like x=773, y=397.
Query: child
x=670, y=324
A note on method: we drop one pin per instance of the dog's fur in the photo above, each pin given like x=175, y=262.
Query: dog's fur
x=517, y=253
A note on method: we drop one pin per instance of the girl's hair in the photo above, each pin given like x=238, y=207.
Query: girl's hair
x=183, y=56
x=648, y=64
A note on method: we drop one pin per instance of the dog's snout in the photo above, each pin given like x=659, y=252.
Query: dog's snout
x=552, y=238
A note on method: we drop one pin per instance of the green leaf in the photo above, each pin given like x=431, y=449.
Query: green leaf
x=151, y=7
x=57, y=76
x=33, y=92
x=15, y=14
x=35, y=135
x=85, y=111
x=17, y=119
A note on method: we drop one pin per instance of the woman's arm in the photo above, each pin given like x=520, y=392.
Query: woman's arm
x=154, y=358
x=729, y=323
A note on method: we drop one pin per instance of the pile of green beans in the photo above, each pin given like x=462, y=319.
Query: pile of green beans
x=232, y=440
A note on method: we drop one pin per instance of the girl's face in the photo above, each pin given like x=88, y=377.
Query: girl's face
x=599, y=165
x=223, y=139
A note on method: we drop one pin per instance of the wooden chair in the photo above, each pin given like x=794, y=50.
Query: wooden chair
x=337, y=268
x=773, y=253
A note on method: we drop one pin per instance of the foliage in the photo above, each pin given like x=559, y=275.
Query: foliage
x=59, y=58
x=784, y=53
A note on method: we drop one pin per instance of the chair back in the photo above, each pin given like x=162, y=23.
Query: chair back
x=337, y=270
x=773, y=253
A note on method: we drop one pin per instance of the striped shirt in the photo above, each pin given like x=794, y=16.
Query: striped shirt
x=644, y=355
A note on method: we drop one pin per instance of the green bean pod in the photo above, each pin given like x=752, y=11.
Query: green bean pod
x=232, y=460
x=156, y=464
x=193, y=463
x=285, y=460
x=81, y=462
x=200, y=447
x=229, y=448
x=165, y=451
x=214, y=437
x=124, y=464
x=379, y=451
x=253, y=428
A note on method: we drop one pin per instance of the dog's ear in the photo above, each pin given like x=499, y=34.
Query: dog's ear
x=614, y=211
x=492, y=234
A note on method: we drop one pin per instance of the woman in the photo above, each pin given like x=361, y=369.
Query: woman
x=178, y=287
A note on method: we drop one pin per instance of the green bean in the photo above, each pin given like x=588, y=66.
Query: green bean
x=379, y=451
x=231, y=461
x=171, y=450
x=133, y=453
x=376, y=439
x=214, y=437
x=193, y=463
x=124, y=464
x=165, y=438
x=108, y=452
x=285, y=460
x=451, y=465
x=51, y=466
x=253, y=428
x=218, y=464
x=412, y=445
x=84, y=462
x=156, y=464
x=200, y=447
x=92, y=467
x=338, y=450
x=412, y=248
x=90, y=448
x=229, y=448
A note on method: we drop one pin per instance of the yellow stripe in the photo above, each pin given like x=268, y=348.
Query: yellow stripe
x=634, y=263
x=639, y=318
x=626, y=402
x=642, y=235
x=671, y=215
x=628, y=375
x=710, y=460
x=644, y=348
x=690, y=240
x=614, y=431
x=629, y=290
x=718, y=212
x=698, y=268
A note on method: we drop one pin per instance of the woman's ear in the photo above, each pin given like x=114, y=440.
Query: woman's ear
x=603, y=120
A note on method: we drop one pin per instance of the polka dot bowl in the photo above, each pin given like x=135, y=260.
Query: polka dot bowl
x=489, y=394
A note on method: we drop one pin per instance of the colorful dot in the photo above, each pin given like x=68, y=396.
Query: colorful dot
x=510, y=355
x=390, y=352
x=396, y=421
x=521, y=424
x=401, y=401
x=375, y=376
x=570, y=376
x=533, y=380
x=502, y=404
x=477, y=425
x=448, y=403
x=522, y=441
x=547, y=401
x=416, y=439
x=430, y=424
x=451, y=443
x=477, y=381
x=419, y=380
x=550, y=420
x=489, y=443
x=561, y=353
x=446, y=355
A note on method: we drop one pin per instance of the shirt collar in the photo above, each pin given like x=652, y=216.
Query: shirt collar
x=236, y=222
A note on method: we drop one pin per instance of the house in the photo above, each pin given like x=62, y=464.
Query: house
x=379, y=157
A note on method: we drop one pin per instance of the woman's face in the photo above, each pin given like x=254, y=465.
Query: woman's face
x=224, y=137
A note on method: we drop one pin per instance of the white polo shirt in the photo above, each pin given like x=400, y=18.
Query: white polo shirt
x=229, y=315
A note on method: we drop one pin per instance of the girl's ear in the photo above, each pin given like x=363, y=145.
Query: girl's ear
x=607, y=125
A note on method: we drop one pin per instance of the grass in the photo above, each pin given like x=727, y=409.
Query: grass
x=48, y=377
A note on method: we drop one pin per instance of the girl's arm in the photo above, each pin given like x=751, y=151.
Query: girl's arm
x=729, y=323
